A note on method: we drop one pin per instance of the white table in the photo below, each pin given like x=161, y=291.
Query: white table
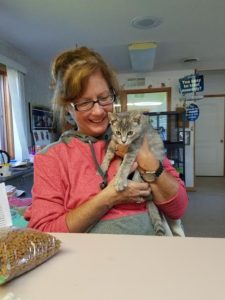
x=111, y=267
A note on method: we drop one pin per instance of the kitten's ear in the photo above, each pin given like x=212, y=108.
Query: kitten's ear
x=136, y=116
x=112, y=117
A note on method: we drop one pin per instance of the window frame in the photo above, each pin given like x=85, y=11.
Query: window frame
x=123, y=98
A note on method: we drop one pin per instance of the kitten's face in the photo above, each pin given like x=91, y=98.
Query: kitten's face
x=126, y=127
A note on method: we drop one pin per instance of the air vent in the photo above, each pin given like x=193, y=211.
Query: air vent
x=191, y=60
x=133, y=82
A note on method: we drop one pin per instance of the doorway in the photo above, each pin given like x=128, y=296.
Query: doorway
x=209, y=137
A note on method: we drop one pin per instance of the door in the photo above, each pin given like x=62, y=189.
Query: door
x=209, y=138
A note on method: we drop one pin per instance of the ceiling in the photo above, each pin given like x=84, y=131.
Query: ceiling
x=189, y=29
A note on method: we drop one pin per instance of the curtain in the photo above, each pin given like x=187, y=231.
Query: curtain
x=2, y=117
x=16, y=89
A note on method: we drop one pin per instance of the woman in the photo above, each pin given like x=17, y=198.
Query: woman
x=68, y=195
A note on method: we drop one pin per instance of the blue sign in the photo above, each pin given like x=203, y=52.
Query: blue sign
x=192, y=112
x=192, y=83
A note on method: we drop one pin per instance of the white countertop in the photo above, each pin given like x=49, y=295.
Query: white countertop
x=111, y=267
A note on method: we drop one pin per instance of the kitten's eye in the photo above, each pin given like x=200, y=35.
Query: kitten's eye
x=130, y=133
x=118, y=133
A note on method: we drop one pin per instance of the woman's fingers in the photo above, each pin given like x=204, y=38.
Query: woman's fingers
x=135, y=192
x=134, y=167
x=144, y=193
x=140, y=200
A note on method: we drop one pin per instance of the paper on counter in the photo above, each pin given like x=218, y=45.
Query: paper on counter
x=19, y=164
x=5, y=215
x=19, y=193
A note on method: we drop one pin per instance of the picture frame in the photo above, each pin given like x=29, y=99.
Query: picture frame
x=41, y=117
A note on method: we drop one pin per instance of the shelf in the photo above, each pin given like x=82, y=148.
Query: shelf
x=169, y=125
x=173, y=144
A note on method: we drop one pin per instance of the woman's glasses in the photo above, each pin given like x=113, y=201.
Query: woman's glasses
x=89, y=104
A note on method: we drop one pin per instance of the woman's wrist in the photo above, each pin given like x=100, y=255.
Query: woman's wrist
x=151, y=176
x=109, y=196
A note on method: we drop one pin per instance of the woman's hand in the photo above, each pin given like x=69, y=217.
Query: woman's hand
x=145, y=158
x=135, y=192
x=83, y=217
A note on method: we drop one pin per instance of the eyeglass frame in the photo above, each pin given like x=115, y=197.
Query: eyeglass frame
x=113, y=95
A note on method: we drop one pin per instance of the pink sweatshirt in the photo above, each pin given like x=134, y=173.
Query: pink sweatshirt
x=65, y=177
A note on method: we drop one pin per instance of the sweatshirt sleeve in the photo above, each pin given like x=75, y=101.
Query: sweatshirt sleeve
x=175, y=207
x=47, y=212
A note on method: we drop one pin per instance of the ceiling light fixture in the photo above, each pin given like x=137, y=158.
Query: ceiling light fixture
x=142, y=56
x=146, y=22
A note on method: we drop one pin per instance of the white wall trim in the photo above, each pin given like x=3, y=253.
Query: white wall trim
x=12, y=64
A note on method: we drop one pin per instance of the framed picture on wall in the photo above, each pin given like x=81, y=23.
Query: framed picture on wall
x=41, y=117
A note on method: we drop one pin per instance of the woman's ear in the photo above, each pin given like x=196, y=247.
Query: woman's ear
x=69, y=115
x=70, y=108
x=70, y=119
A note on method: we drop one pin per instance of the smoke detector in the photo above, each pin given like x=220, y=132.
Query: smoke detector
x=145, y=22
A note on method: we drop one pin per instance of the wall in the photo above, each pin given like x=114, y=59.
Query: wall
x=170, y=79
x=37, y=76
x=214, y=82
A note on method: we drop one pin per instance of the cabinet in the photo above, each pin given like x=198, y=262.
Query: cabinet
x=171, y=127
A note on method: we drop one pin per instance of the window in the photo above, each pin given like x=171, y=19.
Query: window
x=13, y=116
x=2, y=115
x=6, y=124
x=151, y=100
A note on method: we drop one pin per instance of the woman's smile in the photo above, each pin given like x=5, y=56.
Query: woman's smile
x=94, y=122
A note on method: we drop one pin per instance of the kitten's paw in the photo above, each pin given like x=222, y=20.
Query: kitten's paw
x=120, y=185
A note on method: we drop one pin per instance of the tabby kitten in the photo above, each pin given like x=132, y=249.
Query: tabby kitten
x=130, y=128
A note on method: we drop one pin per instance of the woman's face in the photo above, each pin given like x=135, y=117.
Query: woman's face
x=93, y=122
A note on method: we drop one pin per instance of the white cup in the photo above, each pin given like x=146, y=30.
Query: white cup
x=5, y=170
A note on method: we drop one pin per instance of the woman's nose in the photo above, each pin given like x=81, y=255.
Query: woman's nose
x=97, y=108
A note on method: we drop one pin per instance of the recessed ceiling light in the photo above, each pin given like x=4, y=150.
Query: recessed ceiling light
x=146, y=22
